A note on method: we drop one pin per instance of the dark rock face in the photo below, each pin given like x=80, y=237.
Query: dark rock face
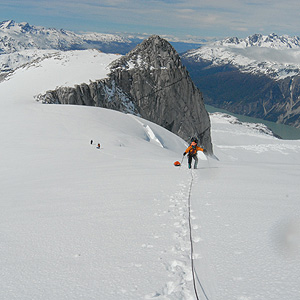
x=254, y=95
x=149, y=81
x=102, y=93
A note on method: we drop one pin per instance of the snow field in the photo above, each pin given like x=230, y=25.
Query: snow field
x=41, y=70
x=253, y=216
x=77, y=222
x=76, y=217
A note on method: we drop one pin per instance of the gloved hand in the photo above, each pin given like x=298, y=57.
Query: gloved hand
x=184, y=153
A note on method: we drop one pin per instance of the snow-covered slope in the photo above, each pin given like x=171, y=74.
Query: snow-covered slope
x=272, y=55
x=82, y=223
x=52, y=69
x=22, y=43
x=12, y=61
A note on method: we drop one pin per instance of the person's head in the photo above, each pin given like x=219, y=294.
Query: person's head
x=194, y=139
x=194, y=144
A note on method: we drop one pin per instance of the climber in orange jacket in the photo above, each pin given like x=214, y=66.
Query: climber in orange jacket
x=191, y=151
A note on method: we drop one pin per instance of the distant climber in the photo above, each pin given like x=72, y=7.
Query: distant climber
x=191, y=151
x=91, y=142
x=98, y=146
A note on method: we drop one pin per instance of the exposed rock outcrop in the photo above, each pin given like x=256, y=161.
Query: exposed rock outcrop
x=149, y=81
x=102, y=93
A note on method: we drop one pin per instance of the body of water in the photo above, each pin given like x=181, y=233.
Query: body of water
x=284, y=131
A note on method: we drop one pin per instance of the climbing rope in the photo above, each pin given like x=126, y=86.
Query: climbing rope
x=194, y=273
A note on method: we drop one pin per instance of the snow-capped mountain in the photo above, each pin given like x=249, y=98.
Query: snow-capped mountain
x=275, y=56
x=256, y=76
x=22, y=36
x=259, y=40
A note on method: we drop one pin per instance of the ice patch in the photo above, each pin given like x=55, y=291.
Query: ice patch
x=150, y=134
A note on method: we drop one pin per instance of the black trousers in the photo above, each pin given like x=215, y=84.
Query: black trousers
x=190, y=157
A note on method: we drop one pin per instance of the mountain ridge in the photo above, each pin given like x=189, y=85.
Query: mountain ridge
x=23, y=36
x=257, y=76
x=13, y=38
x=275, y=56
x=259, y=40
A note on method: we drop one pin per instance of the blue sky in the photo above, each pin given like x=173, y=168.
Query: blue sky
x=190, y=19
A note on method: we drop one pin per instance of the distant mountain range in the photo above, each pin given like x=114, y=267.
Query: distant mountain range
x=22, y=36
x=275, y=56
x=257, y=76
x=22, y=43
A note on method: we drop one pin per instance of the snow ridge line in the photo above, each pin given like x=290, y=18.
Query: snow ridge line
x=194, y=272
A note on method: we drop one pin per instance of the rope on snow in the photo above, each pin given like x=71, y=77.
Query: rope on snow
x=194, y=272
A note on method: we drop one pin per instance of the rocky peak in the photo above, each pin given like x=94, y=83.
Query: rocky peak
x=13, y=27
x=161, y=87
x=154, y=84
x=153, y=45
x=152, y=53
x=6, y=24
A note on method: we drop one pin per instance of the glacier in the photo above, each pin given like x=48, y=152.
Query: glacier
x=112, y=223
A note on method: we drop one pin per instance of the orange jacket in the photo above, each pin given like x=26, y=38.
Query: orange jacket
x=192, y=149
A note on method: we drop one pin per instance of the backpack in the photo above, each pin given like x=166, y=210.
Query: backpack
x=194, y=139
x=193, y=151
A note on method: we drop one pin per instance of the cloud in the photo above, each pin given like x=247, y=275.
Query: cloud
x=170, y=17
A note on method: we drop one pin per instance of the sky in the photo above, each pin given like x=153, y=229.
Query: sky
x=182, y=20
